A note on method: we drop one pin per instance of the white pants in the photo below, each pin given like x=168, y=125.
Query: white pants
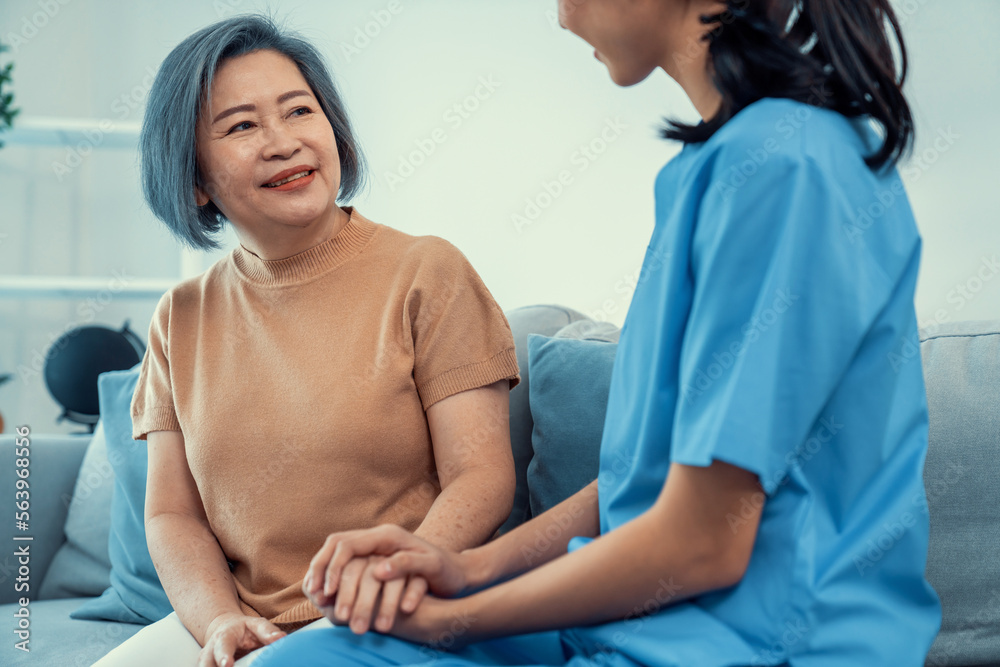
x=168, y=643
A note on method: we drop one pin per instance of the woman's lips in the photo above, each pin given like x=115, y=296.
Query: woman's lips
x=296, y=184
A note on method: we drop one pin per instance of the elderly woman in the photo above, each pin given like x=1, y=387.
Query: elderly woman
x=330, y=373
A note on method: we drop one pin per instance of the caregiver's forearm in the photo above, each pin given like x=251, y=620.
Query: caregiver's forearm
x=682, y=546
x=536, y=542
x=469, y=510
x=640, y=567
x=192, y=569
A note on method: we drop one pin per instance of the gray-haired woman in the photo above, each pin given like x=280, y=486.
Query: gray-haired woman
x=329, y=374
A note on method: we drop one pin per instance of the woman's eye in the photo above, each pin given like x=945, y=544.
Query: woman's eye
x=245, y=125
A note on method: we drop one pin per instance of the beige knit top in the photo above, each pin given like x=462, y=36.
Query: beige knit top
x=300, y=387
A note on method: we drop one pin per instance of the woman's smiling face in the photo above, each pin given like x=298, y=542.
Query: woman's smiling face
x=262, y=125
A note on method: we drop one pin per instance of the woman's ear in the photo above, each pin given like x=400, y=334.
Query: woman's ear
x=200, y=196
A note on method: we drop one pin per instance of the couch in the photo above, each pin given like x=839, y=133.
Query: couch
x=962, y=478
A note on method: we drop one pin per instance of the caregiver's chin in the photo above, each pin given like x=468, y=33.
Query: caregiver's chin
x=263, y=124
x=634, y=37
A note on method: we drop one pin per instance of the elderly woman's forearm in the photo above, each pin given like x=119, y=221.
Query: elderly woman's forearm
x=469, y=510
x=192, y=569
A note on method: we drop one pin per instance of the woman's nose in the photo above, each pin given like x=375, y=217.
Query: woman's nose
x=280, y=141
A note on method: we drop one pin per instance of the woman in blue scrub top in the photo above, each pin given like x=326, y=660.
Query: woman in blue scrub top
x=772, y=511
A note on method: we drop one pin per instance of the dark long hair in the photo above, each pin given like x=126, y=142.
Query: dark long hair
x=834, y=54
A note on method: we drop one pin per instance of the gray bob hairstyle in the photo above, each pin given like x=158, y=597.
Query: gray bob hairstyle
x=168, y=159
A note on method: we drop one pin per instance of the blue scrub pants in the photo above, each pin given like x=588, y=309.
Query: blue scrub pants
x=333, y=647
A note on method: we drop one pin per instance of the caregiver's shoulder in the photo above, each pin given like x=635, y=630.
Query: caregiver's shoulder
x=783, y=132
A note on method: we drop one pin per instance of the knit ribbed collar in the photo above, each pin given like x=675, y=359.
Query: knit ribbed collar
x=310, y=263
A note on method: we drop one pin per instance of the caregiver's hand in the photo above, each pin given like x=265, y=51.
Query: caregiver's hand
x=351, y=564
x=360, y=595
x=233, y=632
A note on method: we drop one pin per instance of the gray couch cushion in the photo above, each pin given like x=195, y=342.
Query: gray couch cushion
x=81, y=567
x=58, y=640
x=962, y=477
x=55, y=462
x=545, y=320
x=135, y=594
x=569, y=396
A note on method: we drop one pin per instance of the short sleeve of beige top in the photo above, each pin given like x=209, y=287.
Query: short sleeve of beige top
x=300, y=387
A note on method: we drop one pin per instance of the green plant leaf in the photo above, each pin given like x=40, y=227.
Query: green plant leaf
x=7, y=110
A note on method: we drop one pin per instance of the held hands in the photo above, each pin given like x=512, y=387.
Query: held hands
x=360, y=594
x=352, y=568
x=231, y=632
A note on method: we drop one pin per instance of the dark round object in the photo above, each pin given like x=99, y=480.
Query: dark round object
x=75, y=360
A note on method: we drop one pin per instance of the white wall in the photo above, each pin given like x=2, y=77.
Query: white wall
x=94, y=59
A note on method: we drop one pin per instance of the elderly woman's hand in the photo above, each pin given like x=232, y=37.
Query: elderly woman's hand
x=352, y=568
x=359, y=595
x=233, y=632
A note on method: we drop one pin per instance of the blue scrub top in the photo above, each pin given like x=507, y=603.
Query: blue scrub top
x=773, y=328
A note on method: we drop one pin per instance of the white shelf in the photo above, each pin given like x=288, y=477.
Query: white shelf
x=96, y=133
x=43, y=131
x=74, y=287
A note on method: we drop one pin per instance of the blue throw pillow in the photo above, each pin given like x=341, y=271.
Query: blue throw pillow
x=570, y=380
x=135, y=594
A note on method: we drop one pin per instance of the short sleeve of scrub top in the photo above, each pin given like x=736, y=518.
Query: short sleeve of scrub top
x=781, y=303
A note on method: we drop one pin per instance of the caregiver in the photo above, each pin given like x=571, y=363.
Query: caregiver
x=772, y=438
x=330, y=373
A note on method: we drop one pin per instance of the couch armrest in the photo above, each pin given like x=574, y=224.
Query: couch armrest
x=55, y=463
